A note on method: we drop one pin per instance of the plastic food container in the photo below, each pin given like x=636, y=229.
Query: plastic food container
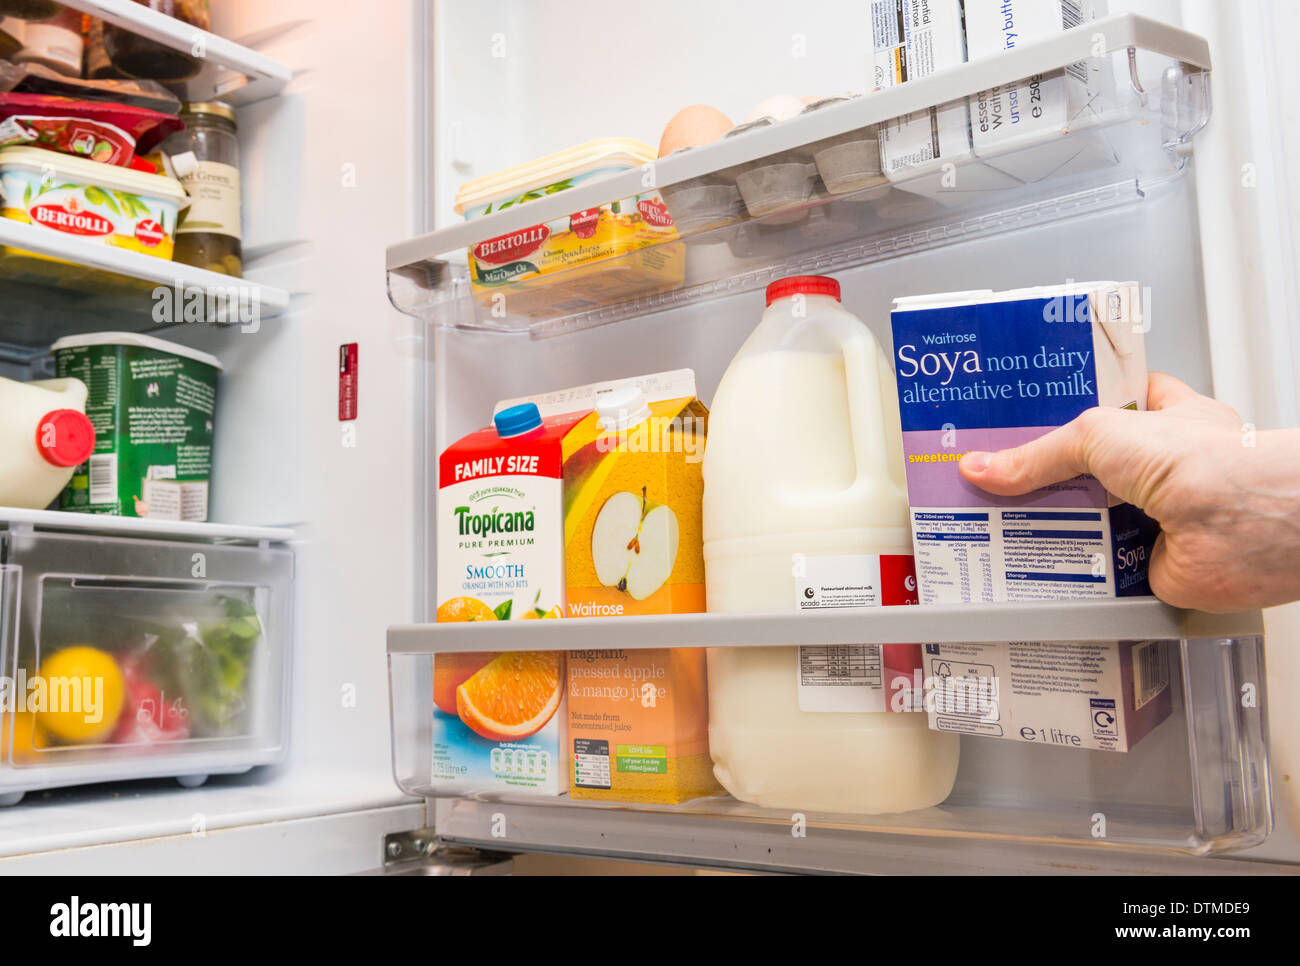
x=153, y=404
x=586, y=257
x=91, y=201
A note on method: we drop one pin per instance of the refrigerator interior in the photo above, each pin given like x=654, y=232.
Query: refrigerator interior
x=386, y=113
x=328, y=175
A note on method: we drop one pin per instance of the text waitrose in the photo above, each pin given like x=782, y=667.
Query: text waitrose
x=494, y=521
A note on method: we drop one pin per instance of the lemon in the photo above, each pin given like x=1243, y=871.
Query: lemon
x=86, y=666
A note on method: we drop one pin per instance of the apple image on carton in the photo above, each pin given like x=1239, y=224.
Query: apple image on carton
x=634, y=544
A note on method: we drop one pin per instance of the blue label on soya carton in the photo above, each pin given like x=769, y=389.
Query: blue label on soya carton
x=995, y=364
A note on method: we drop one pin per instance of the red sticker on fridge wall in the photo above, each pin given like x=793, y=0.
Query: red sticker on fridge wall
x=348, y=381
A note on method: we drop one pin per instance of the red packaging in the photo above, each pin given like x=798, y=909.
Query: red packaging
x=97, y=130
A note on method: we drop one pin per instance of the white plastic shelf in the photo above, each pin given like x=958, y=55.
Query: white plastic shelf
x=1136, y=618
x=232, y=72
x=45, y=300
x=140, y=526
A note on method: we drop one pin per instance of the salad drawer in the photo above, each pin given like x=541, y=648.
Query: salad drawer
x=125, y=658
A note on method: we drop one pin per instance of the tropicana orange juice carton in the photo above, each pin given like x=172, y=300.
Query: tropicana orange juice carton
x=498, y=718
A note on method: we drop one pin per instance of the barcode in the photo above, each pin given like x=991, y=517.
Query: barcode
x=103, y=478
x=974, y=696
x=1072, y=16
x=1150, y=672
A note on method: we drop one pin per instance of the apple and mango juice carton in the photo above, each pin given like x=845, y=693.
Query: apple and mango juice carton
x=633, y=493
x=497, y=716
x=639, y=725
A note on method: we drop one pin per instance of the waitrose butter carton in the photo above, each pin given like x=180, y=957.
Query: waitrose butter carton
x=988, y=370
x=921, y=152
x=1048, y=124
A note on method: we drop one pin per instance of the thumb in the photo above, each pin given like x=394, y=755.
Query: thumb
x=1053, y=457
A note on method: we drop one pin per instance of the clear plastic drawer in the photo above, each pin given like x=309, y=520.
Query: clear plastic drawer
x=132, y=658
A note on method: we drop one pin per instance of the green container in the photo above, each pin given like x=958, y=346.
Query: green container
x=153, y=404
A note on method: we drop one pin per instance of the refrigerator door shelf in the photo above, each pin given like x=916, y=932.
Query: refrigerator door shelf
x=848, y=182
x=185, y=644
x=1195, y=785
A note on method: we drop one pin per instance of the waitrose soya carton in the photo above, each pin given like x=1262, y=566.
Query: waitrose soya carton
x=989, y=370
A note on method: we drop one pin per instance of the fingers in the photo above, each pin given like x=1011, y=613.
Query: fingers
x=1163, y=391
x=1056, y=456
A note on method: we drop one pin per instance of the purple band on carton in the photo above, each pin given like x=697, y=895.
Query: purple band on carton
x=933, y=479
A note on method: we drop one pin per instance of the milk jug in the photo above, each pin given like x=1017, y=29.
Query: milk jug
x=44, y=435
x=805, y=506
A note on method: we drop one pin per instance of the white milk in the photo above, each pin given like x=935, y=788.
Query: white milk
x=805, y=506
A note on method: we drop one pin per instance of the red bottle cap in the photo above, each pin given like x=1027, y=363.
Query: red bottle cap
x=805, y=285
x=65, y=437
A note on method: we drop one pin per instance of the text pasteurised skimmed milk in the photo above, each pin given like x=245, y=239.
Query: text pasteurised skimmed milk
x=805, y=506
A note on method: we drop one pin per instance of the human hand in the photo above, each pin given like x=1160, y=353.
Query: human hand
x=1227, y=498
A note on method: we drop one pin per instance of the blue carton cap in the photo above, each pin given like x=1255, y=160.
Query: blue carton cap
x=517, y=420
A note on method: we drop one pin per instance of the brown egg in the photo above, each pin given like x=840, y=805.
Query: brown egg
x=692, y=126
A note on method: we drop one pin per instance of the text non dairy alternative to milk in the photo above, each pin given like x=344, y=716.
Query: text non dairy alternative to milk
x=638, y=726
x=1021, y=128
x=985, y=371
x=153, y=405
x=1104, y=696
x=805, y=508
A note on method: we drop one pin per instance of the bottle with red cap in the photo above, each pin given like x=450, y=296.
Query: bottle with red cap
x=805, y=508
x=44, y=435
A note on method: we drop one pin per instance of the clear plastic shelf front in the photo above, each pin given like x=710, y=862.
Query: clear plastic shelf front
x=1197, y=782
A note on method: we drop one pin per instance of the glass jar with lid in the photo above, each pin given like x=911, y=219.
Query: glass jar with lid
x=138, y=56
x=208, y=235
